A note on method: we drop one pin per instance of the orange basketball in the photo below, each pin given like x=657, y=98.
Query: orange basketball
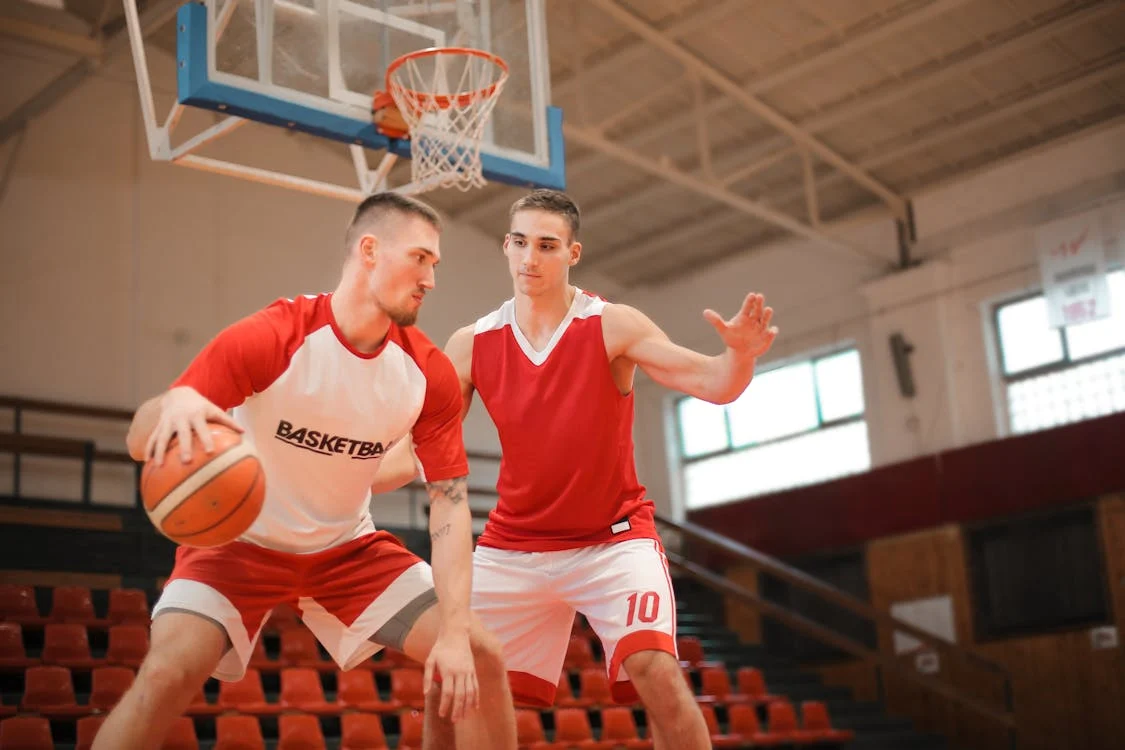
x=212, y=499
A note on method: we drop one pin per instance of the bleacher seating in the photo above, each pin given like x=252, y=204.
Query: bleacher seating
x=67, y=666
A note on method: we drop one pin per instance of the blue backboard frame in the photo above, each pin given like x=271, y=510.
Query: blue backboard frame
x=195, y=88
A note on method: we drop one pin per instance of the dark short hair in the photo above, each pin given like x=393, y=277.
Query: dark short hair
x=551, y=201
x=378, y=207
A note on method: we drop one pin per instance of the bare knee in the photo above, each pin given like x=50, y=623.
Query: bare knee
x=659, y=680
x=166, y=679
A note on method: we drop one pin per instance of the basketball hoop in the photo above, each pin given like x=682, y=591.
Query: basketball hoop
x=445, y=96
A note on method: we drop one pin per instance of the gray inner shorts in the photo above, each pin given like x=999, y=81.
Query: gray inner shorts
x=394, y=631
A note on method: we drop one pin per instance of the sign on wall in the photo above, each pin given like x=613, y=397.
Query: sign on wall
x=1072, y=260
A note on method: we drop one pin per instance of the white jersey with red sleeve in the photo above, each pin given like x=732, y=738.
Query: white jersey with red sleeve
x=321, y=415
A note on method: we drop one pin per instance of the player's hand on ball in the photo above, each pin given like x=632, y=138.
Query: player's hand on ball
x=184, y=411
x=749, y=331
x=452, y=657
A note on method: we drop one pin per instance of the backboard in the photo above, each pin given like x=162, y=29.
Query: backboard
x=314, y=65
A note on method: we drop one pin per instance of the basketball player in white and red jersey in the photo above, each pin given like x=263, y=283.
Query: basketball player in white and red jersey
x=573, y=529
x=322, y=386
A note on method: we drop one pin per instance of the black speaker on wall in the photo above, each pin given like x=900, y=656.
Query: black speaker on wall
x=901, y=350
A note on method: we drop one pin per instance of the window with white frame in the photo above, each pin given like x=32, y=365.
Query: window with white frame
x=1057, y=376
x=797, y=424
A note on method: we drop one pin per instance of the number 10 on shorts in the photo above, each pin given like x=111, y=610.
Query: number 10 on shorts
x=643, y=607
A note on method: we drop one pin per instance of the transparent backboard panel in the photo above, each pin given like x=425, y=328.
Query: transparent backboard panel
x=333, y=55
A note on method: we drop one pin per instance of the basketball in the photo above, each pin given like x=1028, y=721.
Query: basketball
x=212, y=499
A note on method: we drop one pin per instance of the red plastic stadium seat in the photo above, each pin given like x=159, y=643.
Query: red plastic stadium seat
x=128, y=606
x=816, y=725
x=246, y=696
x=260, y=661
x=356, y=689
x=238, y=733
x=782, y=723
x=200, y=707
x=410, y=730
x=49, y=691
x=87, y=729
x=691, y=653
x=128, y=645
x=572, y=729
x=68, y=645
x=593, y=687
x=181, y=736
x=579, y=653
x=362, y=732
x=301, y=690
x=299, y=732
x=529, y=729
x=109, y=684
x=17, y=604
x=620, y=729
x=752, y=685
x=718, y=739
x=715, y=684
x=73, y=604
x=26, y=733
x=13, y=655
x=282, y=618
x=564, y=695
x=299, y=649
x=406, y=688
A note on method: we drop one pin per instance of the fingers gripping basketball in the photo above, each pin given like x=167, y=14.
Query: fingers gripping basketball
x=210, y=500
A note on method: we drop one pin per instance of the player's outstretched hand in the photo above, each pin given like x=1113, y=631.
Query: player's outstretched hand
x=749, y=331
x=183, y=411
x=452, y=657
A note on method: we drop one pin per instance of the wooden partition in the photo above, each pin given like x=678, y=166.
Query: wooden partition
x=1066, y=693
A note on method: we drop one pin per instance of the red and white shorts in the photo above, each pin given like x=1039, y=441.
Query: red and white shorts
x=346, y=595
x=528, y=600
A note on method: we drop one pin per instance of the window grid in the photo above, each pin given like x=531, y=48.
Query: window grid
x=731, y=447
x=736, y=470
x=1060, y=392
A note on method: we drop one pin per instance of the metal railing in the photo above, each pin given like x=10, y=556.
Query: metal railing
x=19, y=443
x=881, y=661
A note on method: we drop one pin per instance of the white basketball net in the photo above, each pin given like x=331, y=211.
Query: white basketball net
x=445, y=97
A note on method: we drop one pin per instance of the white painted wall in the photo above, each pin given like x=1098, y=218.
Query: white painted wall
x=976, y=237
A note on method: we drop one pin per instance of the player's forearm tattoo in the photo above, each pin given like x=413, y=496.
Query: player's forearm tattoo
x=453, y=490
x=440, y=532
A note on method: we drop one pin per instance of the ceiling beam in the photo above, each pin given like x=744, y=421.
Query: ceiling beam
x=155, y=15
x=752, y=104
x=938, y=72
x=37, y=33
x=629, y=53
x=610, y=258
x=637, y=199
x=769, y=152
x=672, y=174
x=715, y=105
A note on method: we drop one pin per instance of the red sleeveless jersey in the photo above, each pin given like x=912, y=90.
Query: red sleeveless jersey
x=567, y=476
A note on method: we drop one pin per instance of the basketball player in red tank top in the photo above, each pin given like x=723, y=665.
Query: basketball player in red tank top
x=573, y=529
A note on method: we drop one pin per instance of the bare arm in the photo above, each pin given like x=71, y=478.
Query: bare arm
x=451, y=557
x=398, y=467
x=719, y=379
x=459, y=349
x=451, y=532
